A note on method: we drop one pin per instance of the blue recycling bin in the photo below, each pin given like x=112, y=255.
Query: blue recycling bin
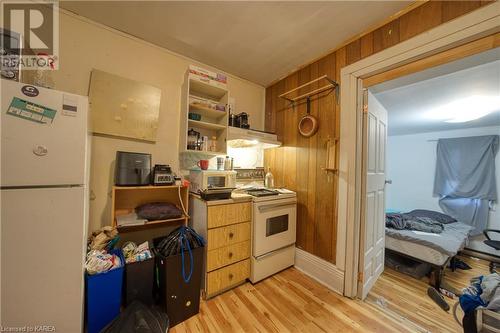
x=103, y=296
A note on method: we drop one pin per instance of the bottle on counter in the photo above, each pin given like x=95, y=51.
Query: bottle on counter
x=227, y=163
x=269, y=179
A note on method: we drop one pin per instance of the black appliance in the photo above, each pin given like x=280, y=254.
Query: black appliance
x=216, y=193
x=239, y=120
x=233, y=120
x=162, y=175
x=243, y=120
x=132, y=169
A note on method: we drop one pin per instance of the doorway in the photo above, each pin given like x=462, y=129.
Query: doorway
x=421, y=52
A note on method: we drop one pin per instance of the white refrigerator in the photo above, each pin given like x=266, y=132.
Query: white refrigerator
x=44, y=203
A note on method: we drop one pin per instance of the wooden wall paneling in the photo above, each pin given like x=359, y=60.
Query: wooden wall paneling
x=420, y=19
x=366, y=45
x=324, y=180
x=302, y=158
x=270, y=154
x=454, y=9
x=386, y=36
x=312, y=196
x=280, y=123
x=353, y=51
x=270, y=116
x=290, y=134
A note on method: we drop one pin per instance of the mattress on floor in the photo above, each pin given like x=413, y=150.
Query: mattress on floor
x=416, y=250
x=453, y=238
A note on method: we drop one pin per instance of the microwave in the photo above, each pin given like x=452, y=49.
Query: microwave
x=211, y=179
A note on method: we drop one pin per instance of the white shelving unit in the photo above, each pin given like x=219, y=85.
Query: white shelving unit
x=196, y=93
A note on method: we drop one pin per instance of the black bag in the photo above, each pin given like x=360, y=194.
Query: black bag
x=138, y=318
x=179, y=262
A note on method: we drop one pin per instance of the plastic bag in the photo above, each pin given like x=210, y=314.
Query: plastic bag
x=139, y=318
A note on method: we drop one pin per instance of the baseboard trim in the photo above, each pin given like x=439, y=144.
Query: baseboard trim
x=320, y=270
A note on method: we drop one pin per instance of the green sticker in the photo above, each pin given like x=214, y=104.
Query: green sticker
x=31, y=111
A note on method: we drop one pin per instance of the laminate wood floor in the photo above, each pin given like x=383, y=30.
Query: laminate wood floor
x=292, y=302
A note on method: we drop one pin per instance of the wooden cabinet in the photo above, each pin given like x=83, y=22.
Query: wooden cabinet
x=227, y=229
x=222, y=215
x=126, y=198
x=228, y=235
x=227, y=255
x=227, y=277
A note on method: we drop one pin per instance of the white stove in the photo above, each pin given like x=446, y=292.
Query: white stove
x=273, y=228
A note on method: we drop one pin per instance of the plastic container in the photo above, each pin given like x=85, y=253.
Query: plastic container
x=180, y=300
x=103, y=296
x=139, y=279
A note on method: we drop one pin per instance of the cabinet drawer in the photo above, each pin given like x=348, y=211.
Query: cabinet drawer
x=227, y=277
x=222, y=215
x=232, y=234
x=227, y=255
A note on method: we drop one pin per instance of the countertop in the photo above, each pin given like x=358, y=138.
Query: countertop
x=235, y=198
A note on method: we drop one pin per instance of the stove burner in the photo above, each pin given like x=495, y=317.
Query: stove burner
x=261, y=192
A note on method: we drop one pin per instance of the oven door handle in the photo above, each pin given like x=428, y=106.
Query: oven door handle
x=265, y=208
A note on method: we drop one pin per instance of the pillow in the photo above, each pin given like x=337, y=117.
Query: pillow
x=158, y=211
x=436, y=216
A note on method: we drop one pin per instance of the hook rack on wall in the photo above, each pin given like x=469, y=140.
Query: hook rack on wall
x=331, y=85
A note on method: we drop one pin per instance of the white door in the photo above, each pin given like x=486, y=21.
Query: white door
x=373, y=224
x=44, y=135
x=43, y=250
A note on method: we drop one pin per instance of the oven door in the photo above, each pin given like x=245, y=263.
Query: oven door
x=274, y=225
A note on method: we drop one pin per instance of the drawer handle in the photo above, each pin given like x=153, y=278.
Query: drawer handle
x=231, y=235
x=230, y=254
x=231, y=276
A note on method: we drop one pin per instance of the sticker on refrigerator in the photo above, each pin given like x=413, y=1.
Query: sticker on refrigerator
x=31, y=111
x=70, y=105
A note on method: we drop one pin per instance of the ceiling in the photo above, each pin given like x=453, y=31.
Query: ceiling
x=259, y=41
x=426, y=101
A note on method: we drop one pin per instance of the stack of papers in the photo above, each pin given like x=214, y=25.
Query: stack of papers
x=129, y=220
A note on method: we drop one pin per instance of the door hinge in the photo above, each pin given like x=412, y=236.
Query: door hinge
x=360, y=276
x=365, y=108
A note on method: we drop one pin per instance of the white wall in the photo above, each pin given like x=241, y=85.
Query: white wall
x=85, y=45
x=411, y=161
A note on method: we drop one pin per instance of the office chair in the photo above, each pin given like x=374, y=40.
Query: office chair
x=494, y=244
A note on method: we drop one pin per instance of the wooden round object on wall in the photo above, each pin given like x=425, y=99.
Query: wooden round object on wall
x=308, y=126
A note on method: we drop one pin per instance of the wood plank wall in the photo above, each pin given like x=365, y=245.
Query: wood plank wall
x=298, y=163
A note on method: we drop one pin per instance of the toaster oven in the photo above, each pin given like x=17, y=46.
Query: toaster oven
x=211, y=179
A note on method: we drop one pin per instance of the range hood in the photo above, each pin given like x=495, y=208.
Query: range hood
x=240, y=138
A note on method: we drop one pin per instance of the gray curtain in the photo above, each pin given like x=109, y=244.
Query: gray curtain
x=465, y=178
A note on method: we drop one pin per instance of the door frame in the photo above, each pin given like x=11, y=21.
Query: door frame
x=461, y=31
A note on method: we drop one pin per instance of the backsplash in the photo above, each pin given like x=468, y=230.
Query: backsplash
x=248, y=157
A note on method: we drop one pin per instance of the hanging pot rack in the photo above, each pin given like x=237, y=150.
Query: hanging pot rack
x=332, y=85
